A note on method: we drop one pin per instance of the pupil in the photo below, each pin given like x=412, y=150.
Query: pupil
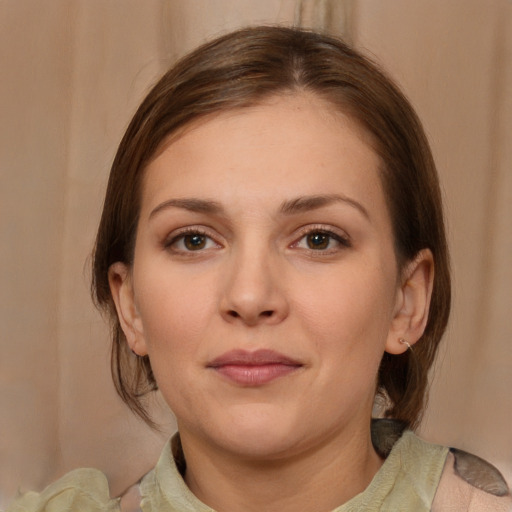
x=194, y=242
x=318, y=241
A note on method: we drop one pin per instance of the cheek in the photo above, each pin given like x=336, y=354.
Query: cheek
x=359, y=298
x=175, y=313
x=175, y=310
x=349, y=313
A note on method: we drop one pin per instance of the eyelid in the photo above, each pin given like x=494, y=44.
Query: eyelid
x=179, y=233
x=337, y=234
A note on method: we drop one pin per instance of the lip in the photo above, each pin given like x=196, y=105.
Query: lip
x=253, y=369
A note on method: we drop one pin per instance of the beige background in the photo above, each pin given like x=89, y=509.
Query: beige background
x=72, y=73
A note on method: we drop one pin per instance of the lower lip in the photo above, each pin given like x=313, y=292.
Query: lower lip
x=255, y=375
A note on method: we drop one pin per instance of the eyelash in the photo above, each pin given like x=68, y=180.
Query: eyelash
x=342, y=240
x=181, y=236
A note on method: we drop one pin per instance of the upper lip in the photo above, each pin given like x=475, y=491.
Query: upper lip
x=256, y=358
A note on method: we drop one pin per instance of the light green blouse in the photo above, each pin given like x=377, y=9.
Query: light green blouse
x=407, y=481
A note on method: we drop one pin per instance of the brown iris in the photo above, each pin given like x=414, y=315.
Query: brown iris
x=194, y=242
x=318, y=240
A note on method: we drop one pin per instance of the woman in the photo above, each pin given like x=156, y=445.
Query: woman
x=273, y=258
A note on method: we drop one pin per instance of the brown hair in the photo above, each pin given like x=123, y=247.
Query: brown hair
x=239, y=70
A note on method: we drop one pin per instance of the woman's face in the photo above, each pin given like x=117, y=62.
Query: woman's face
x=264, y=285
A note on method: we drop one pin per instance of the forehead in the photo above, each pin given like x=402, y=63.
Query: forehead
x=291, y=144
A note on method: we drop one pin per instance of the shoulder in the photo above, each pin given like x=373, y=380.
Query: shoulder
x=443, y=479
x=86, y=490
x=469, y=483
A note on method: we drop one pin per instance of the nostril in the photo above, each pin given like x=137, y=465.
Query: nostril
x=234, y=314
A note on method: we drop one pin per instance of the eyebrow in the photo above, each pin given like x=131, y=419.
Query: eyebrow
x=307, y=203
x=190, y=204
x=289, y=207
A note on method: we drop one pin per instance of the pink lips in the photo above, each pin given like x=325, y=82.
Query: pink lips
x=253, y=368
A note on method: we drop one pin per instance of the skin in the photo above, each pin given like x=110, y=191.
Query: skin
x=256, y=280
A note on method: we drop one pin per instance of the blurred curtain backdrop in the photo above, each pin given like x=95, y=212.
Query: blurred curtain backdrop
x=72, y=74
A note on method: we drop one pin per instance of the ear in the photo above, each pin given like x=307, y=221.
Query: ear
x=412, y=303
x=121, y=287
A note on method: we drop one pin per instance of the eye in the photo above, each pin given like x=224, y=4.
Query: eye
x=191, y=241
x=322, y=240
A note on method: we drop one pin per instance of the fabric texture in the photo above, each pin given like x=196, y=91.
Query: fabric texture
x=84, y=490
x=456, y=494
x=407, y=481
x=415, y=476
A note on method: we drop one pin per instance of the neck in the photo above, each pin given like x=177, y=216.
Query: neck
x=308, y=481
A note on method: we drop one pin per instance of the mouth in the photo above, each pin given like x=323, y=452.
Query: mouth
x=253, y=369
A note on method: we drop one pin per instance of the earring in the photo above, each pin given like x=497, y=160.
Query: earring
x=403, y=342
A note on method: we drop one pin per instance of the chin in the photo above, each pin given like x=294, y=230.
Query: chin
x=263, y=445
x=261, y=434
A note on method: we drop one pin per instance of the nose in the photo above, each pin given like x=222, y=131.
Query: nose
x=253, y=291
